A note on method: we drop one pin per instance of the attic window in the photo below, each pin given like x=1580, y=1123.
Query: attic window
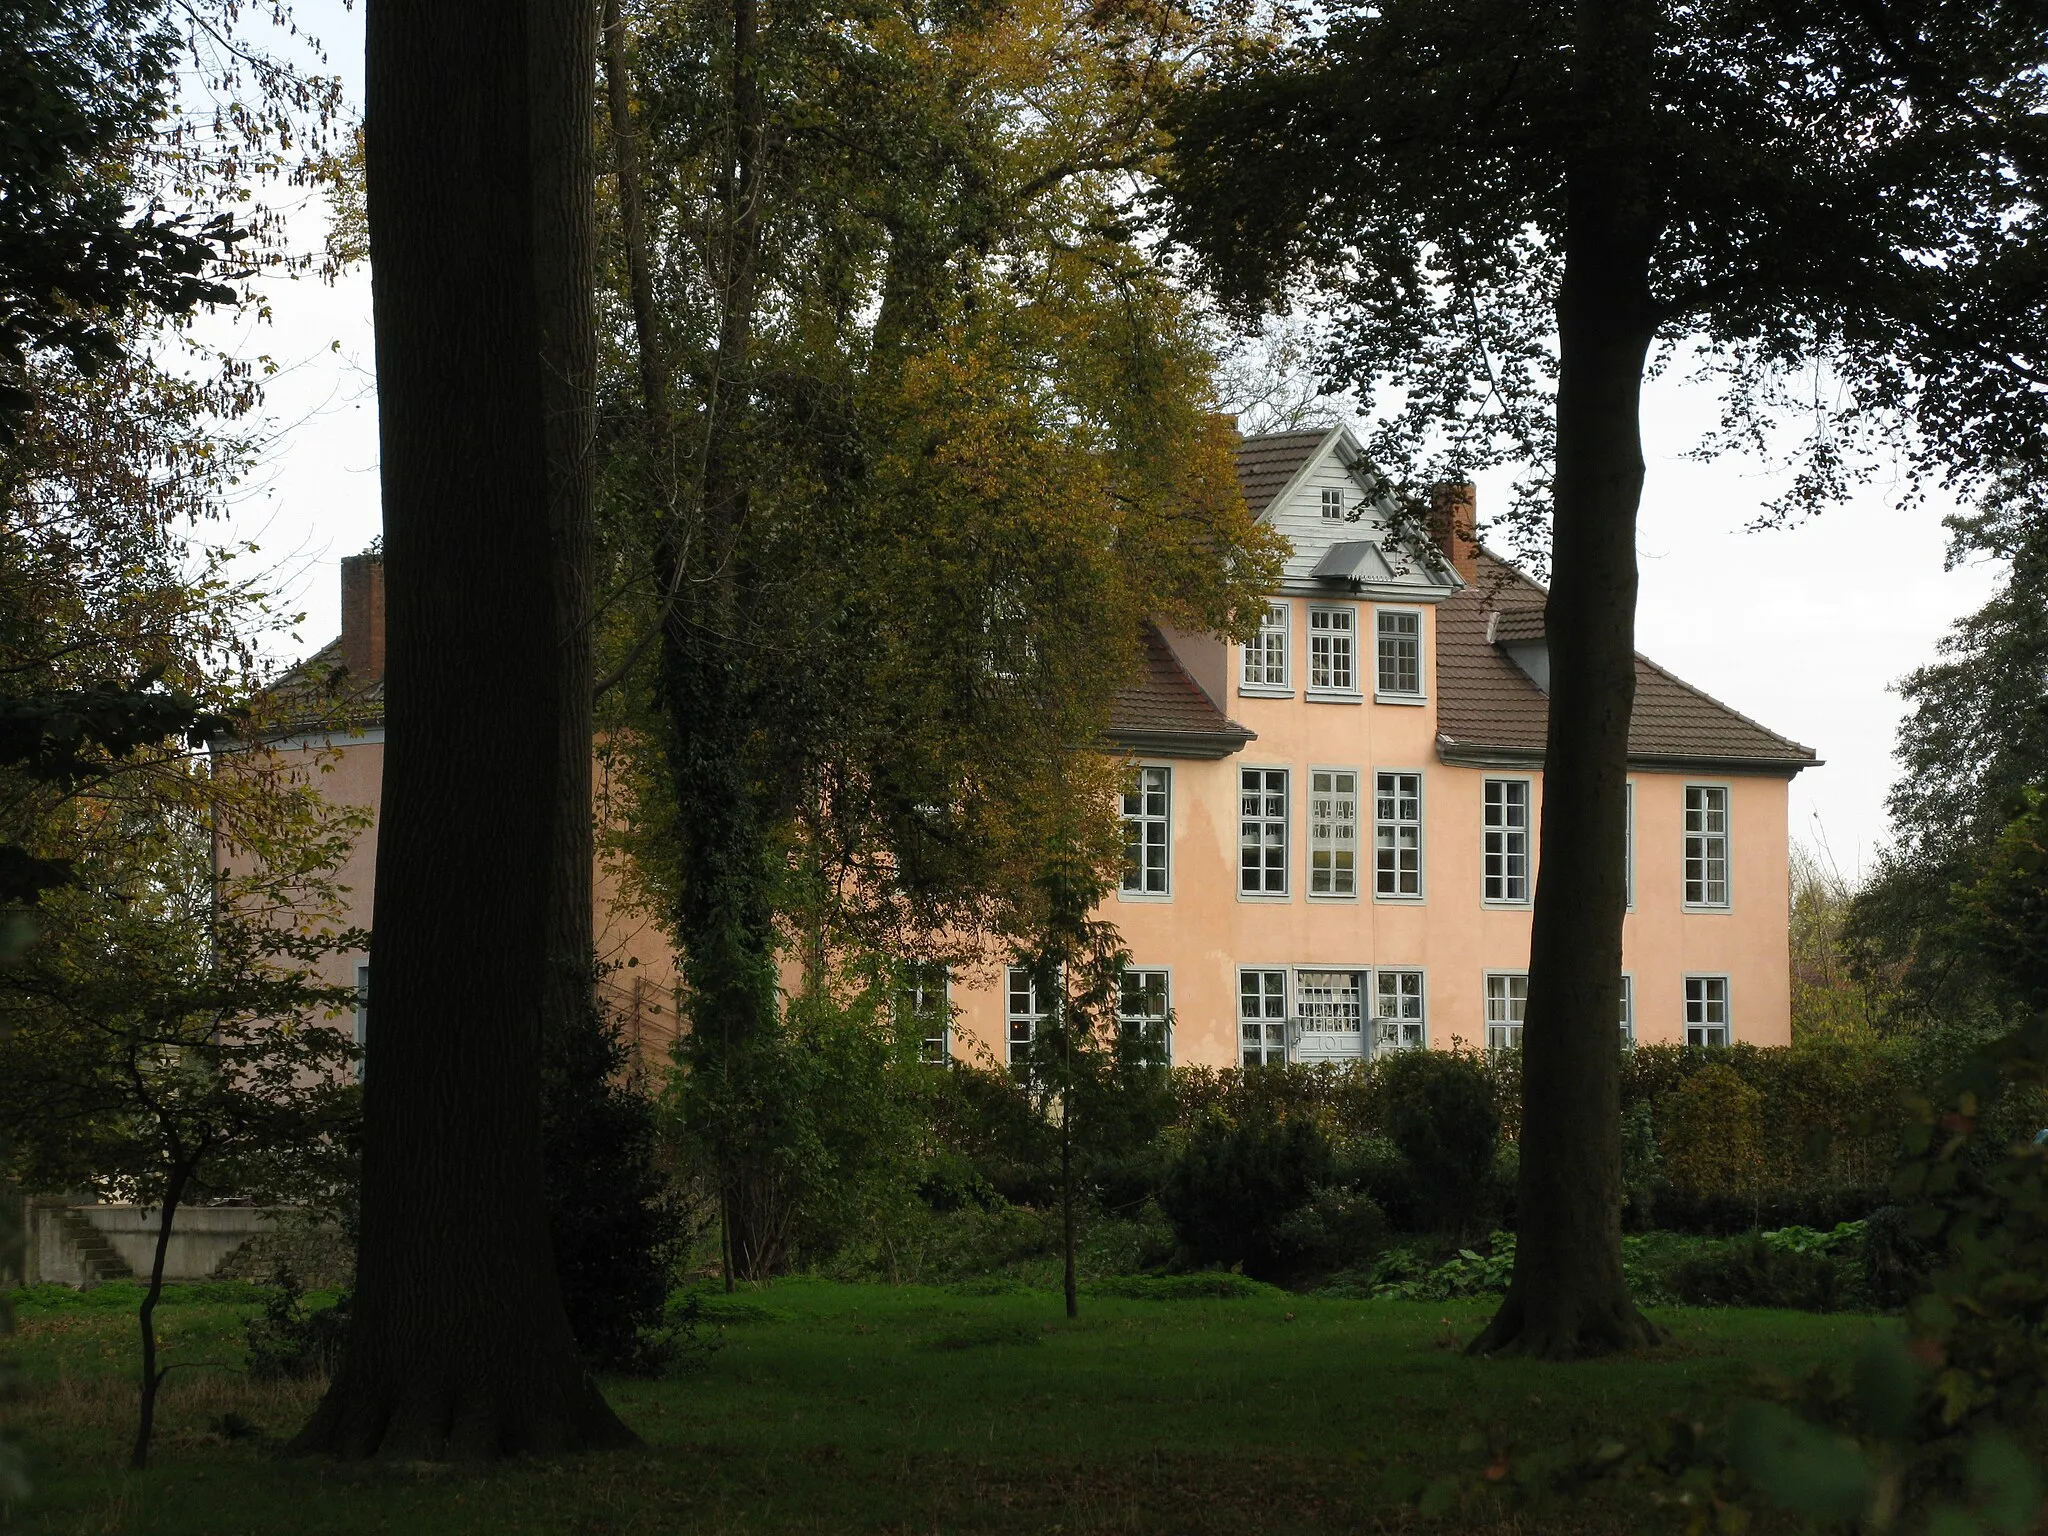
x=1333, y=504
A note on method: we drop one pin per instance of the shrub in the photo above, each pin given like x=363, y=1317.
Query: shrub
x=1896, y=1261
x=289, y=1342
x=1234, y=1186
x=1755, y=1272
x=1440, y=1112
x=1336, y=1229
x=1713, y=1133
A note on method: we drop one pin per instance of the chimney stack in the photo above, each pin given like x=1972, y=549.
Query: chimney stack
x=362, y=616
x=1454, y=524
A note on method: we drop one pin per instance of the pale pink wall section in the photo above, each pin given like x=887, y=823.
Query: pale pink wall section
x=1205, y=932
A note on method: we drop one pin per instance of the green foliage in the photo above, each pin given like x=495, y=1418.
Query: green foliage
x=290, y=1341
x=1234, y=1188
x=1202, y=1285
x=1441, y=1114
x=1713, y=1132
x=1761, y=1271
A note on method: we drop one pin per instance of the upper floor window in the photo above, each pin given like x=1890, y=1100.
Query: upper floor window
x=1507, y=1001
x=1505, y=840
x=1333, y=503
x=1706, y=845
x=1265, y=657
x=1628, y=1013
x=1397, y=835
x=1400, y=651
x=1023, y=1012
x=1331, y=662
x=1397, y=1010
x=1332, y=832
x=1142, y=1005
x=1262, y=832
x=922, y=1008
x=1706, y=1010
x=1148, y=829
x=1262, y=1017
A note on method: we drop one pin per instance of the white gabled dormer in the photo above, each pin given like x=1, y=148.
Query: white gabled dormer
x=1333, y=513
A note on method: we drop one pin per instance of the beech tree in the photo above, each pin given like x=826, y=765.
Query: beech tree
x=1514, y=209
x=479, y=199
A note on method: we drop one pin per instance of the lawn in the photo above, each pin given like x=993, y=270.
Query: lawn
x=871, y=1408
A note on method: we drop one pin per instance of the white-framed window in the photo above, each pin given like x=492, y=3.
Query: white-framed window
x=1144, y=1001
x=923, y=1006
x=362, y=1017
x=1148, y=832
x=1333, y=503
x=1628, y=847
x=1507, y=1002
x=1397, y=836
x=1399, y=652
x=1262, y=1017
x=1265, y=657
x=1262, y=832
x=1397, y=1016
x=1330, y=1006
x=1706, y=1010
x=1023, y=1012
x=1706, y=845
x=1504, y=840
x=1333, y=832
x=1628, y=1012
x=1332, y=657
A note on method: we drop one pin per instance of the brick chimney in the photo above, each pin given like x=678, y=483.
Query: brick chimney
x=1454, y=524
x=362, y=616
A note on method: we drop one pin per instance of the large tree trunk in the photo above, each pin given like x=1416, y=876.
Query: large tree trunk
x=1568, y=1297
x=478, y=123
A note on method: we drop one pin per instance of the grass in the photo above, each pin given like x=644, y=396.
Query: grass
x=834, y=1407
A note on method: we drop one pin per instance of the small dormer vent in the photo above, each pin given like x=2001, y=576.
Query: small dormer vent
x=1354, y=560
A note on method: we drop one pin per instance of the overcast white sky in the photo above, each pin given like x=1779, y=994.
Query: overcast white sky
x=1804, y=630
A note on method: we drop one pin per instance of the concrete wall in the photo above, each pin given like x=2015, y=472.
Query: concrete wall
x=203, y=1239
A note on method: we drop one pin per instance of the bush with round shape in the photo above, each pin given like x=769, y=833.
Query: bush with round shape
x=1442, y=1114
x=1235, y=1185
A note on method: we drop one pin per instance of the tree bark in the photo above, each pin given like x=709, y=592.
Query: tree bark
x=1568, y=1297
x=479, y=172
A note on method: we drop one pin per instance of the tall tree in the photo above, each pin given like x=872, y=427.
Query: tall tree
x=1514, y=207
x=479, y=178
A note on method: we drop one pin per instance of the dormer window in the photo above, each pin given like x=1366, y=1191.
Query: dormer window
x=1333, y=504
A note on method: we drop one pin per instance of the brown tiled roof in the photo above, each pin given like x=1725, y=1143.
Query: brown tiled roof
x=1164, y=710
x=1265, y=464
x=1486, y=704
x=321, y=694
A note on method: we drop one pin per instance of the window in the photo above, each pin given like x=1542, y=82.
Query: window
x=1331, y=1005
x=362, y=1018
x=1397, y=836
x=1397, y=1011
x=1147, y=828
x=1628, y=1013
x=1262, y=832
x=1706, y=845
x=1505, y=840
x=922, y=1007
x=1141, y=1007
x=1265, y=658
x=1330, y=667
x=1262, y=1017
x=1023, y=1012
x=1507, y=1000
x=1706, y=1010
x=1333, y=503
x=1332, y=832
x=1400, y=652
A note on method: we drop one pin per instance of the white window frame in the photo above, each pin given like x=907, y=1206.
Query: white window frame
x=1726, y=837
x=1498, y=1018
x=1272, y=638
x=1334, y=798
x=1382, y=694
x=1333, y=497
x=1347, y=692
x=1148, y=825
x=1017, y=984
x=1165, y=1016
x=1421, y=841
x=1330, y=1007
x=1415, y=1027
x=1286, y=825
x=916, y=1002
x=1704, y=981
x=362, y=1019
x=1488, y=852
x=1628, y=1011
x=1271, y=1053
